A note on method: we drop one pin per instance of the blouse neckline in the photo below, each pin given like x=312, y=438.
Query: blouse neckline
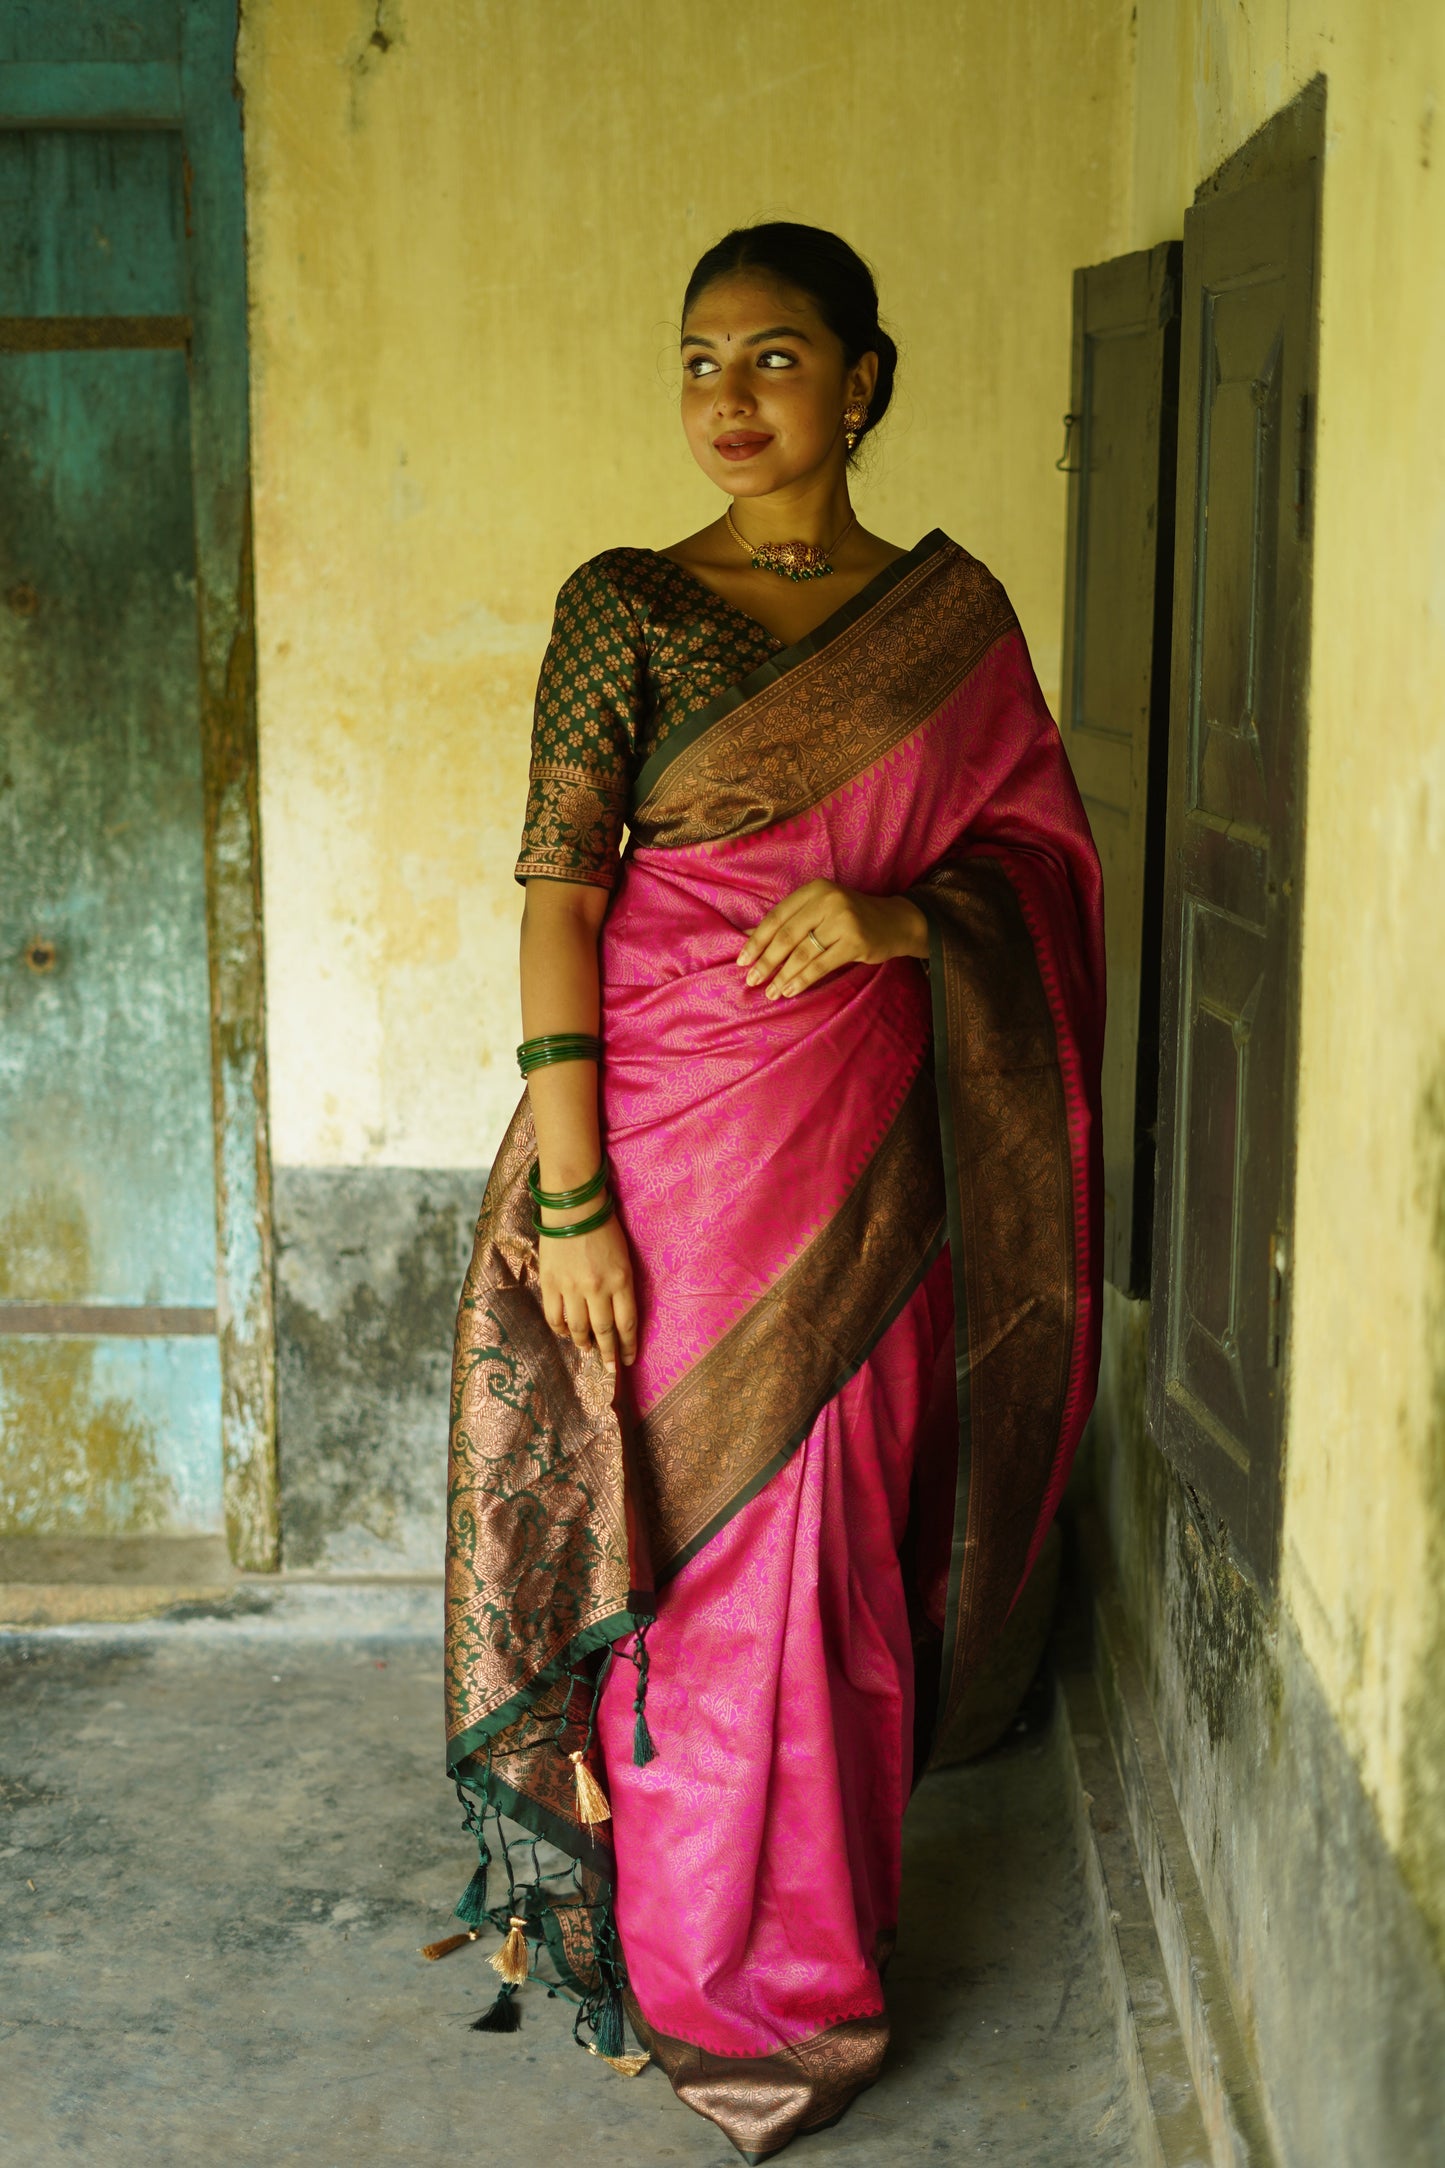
x=836, y=620
x=783, y=660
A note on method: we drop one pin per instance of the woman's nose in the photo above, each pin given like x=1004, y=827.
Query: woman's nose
x=733, y=394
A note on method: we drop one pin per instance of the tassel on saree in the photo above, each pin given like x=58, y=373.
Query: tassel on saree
x=643, y=1750
x=472, y=1904
x=607, y=2024
x=591, y=1799
x=503, y=2016
x=511, y=1959
x=627, y=2066
x=448, y=1943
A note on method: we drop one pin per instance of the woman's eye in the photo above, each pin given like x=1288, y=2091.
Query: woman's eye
x=700, y=365
x=775, y=358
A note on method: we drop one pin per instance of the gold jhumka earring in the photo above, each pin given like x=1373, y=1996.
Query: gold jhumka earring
x=855, y=416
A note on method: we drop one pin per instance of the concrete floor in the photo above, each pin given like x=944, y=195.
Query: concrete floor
x=224, y=1838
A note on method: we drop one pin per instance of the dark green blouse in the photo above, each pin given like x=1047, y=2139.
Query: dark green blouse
x=637, y=646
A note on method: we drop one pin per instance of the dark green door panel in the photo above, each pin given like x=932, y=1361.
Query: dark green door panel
x=1219, y=1320
x=1124, y=408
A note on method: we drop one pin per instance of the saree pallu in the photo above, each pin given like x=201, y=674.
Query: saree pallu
x=864, y=1226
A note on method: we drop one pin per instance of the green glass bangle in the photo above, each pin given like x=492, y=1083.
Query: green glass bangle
x=553, y=1046
x=561, y=1200
x=579, y=1227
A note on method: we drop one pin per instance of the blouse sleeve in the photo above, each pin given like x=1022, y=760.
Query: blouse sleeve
x=585, y=734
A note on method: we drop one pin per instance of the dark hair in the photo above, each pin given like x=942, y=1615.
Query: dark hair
x=834, y=277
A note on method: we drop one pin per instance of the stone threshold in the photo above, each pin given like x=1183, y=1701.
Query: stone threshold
x=113, y=1580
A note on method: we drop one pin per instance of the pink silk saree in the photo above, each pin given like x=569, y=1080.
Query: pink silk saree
x=865, y=1228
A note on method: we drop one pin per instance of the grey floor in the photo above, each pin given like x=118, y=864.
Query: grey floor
x=224, y=1838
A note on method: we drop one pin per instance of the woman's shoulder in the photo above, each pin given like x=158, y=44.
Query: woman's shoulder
x=967, y=580
x=623, y=577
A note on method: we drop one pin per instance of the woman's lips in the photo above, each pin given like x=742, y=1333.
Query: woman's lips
x=740, y=444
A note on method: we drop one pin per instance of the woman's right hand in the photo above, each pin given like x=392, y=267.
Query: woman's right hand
x=587, y=1290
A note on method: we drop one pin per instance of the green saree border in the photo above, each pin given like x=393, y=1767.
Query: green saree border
x=760, y=1481
x=639, y=1613
x=557, y=1950
x=519, y=1808
x=693, y=726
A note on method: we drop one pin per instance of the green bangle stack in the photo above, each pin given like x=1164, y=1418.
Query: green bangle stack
x=553, y=1046
x=562, y=1200
x=582, y=1226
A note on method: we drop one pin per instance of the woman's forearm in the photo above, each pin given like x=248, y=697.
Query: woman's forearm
x=560, y=928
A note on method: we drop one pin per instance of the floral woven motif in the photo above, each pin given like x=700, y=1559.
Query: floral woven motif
x=637, y=646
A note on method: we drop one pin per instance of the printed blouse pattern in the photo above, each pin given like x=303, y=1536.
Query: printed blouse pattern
x=637, y=646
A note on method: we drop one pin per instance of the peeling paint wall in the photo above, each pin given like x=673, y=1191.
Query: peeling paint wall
x=469, y=232
x=98, y=1437
x=368, y=1264
x=1337, y=1986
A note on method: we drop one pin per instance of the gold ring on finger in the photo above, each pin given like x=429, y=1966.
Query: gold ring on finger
x=813, y=937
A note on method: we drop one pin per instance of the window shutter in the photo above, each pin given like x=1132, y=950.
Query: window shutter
x=1117, y=602
x=1226, y=1093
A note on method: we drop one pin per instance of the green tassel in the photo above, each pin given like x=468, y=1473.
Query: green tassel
x=503, y=2016
x=643, y=1750
x=607, y=2023
x=472, y=1904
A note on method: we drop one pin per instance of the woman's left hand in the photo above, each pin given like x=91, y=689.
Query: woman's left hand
x=821, y=927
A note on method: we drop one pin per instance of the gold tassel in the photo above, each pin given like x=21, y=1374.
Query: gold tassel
x=591, y=1799
x=511, y=1959
x=627, y=2066
x=449, y=1943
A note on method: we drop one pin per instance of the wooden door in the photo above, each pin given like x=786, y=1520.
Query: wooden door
x=1117, y=604
x=1222, y=1241
x=107, y=1184
x=135, y=1369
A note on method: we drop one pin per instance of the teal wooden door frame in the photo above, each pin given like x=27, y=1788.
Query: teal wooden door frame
x=64, y=68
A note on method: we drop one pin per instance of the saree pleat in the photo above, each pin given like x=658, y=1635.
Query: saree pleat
x=865, y=1232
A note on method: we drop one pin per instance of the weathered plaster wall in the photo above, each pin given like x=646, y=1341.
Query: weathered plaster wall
x=1338, y=1990
x=1364, y=1532
x=470, y=223
x=368, y=1264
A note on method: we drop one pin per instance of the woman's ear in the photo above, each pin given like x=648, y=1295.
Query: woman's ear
x=863, y=379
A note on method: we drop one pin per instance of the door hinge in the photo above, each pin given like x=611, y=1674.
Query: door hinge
x=1277, y=1269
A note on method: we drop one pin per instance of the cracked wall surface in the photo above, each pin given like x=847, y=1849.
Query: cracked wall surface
x=369, y=1261
x=469, y=228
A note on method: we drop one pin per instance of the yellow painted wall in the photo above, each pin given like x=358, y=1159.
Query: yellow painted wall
x=470, y=226
x=1364, y=1531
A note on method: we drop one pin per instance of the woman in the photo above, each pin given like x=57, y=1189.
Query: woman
x=781, y=1325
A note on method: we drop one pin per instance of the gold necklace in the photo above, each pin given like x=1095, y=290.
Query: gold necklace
x=790, y=560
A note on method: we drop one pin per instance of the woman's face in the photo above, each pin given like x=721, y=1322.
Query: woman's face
x=764, y=385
